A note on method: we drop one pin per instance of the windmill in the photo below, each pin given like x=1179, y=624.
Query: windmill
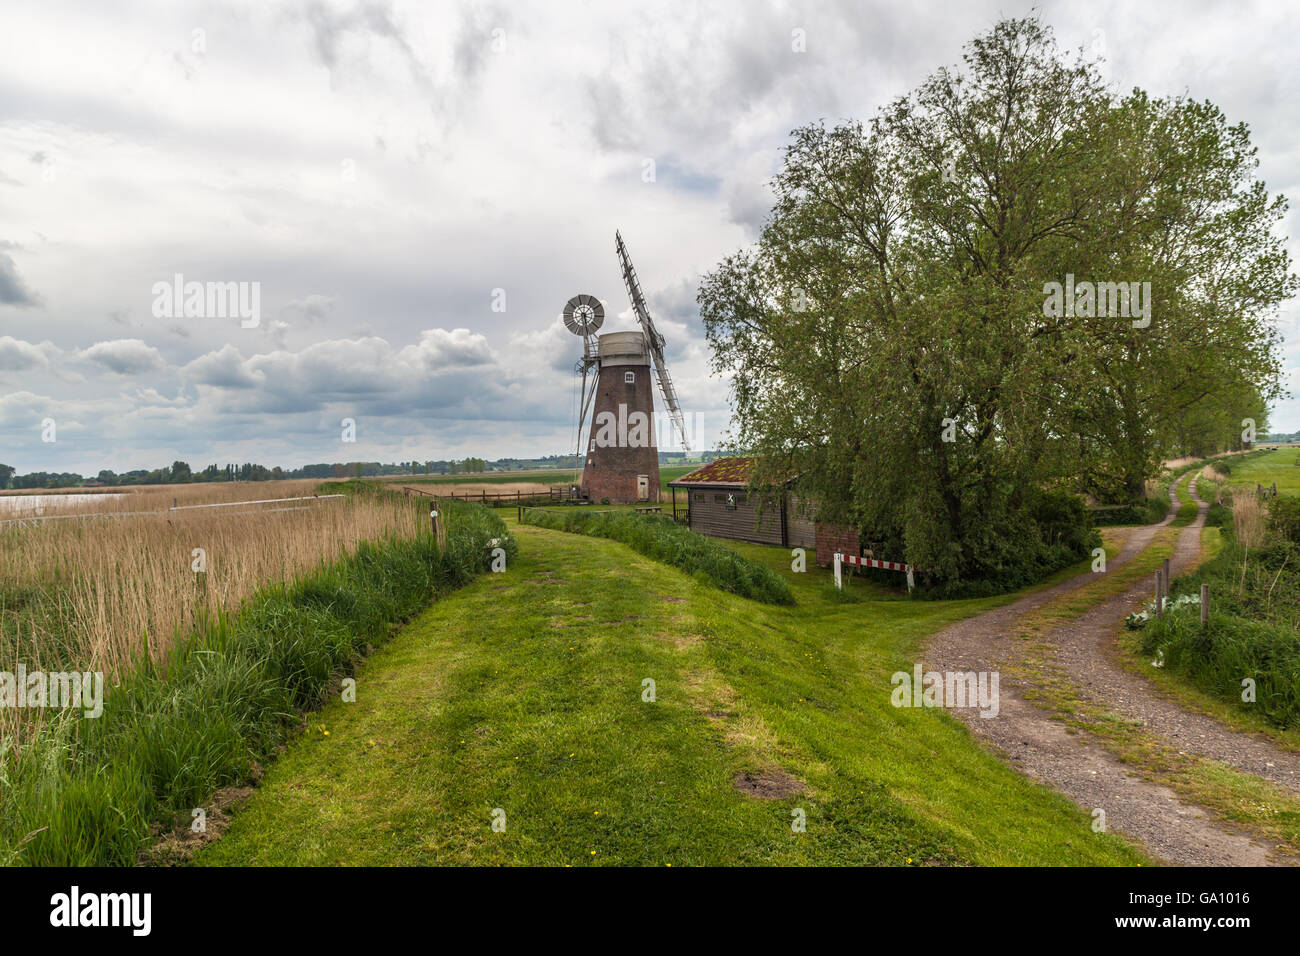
x=583, y=315
x=653, y=337
x=622, y=458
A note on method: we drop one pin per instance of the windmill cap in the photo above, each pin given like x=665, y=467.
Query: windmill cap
x=623, y=348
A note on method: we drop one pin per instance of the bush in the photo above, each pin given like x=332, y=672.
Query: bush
x=1127, y=515
x=1218, y=515
x=1284, y=517
x=661, y=538
x=1050, y=531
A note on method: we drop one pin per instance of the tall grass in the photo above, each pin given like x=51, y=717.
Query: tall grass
x=1249, y=518
x=194, y=715
x=662, y=539
x=1253, y=630
x=105, y=593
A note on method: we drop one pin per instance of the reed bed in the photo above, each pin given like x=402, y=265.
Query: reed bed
x=159, y=498
x=106, y=593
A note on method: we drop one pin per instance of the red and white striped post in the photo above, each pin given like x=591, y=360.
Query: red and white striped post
x=841, y=559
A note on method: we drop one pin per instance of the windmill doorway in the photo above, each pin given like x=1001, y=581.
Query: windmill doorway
x=642, y=487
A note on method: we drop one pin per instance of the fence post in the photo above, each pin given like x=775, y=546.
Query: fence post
x=838, y=581
x=910, y=581
x=1205, y=604
x=439, y=528
x=1160, y=601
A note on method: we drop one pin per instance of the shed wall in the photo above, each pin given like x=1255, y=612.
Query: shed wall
x=711, y=516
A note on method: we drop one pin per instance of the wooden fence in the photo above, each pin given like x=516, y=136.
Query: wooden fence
x=647, y=510
x=504, y=499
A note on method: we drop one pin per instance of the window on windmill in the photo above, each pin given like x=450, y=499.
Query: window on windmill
x=629, y=378
x=591, y=446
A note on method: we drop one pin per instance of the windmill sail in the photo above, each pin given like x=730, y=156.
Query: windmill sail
x=655, y=340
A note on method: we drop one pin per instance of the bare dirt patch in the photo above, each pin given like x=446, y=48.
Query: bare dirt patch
x=175, y=847
x=773, y=784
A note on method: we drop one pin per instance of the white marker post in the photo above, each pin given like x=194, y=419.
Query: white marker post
x=439, y=530
x=838, y=559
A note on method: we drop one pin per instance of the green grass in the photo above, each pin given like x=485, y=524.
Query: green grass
x=1187, y=507
x=661, y=538
x=555, y=477
x=523, y=692
x=1264, y=468
x=84, y=792
x=669, y=473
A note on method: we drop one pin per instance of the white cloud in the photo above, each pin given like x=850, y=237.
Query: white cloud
x=124, y=356
x=224, y=369
x=17, y=355
x=439, y=349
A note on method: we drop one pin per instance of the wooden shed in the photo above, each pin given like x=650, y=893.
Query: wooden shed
x=721, y=506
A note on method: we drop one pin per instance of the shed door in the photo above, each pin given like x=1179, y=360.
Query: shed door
x=642, y=487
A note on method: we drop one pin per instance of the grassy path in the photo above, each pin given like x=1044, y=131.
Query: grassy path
x=523, y=693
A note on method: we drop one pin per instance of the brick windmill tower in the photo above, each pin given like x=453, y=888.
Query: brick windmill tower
x=622, y=453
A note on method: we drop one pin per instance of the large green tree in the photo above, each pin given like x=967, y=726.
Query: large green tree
x=888, y=338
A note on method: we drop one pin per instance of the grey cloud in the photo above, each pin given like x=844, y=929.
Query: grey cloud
x=331, y=28
x=13, y=291
x=311, y=308
x=748, y=205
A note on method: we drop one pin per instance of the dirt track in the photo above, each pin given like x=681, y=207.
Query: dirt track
x=1084, y=649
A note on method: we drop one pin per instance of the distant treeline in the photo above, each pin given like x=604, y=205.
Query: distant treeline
x=181, y=472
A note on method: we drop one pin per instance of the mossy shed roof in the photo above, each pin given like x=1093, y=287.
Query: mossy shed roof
x=721, y=473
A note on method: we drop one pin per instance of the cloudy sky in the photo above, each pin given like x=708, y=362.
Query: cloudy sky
x=417, y=188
